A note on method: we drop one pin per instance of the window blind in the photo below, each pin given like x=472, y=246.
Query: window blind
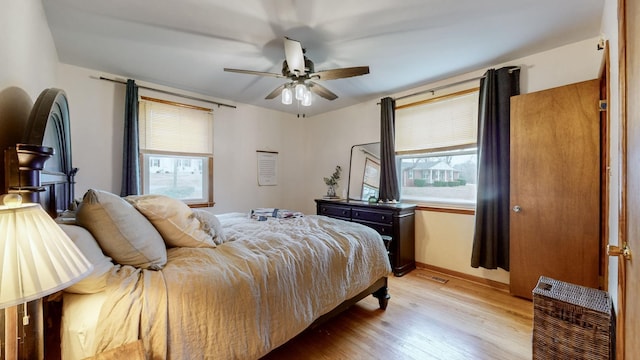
x=170, y=128
x=445, y=123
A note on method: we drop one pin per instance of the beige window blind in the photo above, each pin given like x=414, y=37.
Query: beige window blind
x=171, y=128
x=438, y=124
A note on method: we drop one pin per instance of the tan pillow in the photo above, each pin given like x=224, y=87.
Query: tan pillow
x=173, y=219
x=102, y=265
x=211, y=224
x=123, y=233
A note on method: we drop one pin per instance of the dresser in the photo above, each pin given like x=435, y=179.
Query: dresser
x=394, y=221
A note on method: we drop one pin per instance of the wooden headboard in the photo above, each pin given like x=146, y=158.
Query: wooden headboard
x=39, y=166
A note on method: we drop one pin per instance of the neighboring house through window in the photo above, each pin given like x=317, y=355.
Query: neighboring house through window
x=436, y=150
x=176, y=149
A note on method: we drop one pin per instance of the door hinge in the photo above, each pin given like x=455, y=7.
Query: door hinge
x=624, y=251
x=602, y=105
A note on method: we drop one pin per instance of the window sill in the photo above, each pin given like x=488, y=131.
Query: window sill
x=443, y=206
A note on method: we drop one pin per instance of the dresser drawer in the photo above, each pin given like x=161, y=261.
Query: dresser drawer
x=335, y=211
x=381, y=217
x=382, y=229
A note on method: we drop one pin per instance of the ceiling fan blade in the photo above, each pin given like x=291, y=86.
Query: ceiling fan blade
x=277, y=91
x=340, y=73
x=251, y=72
x=321, y=91
x=295, y=56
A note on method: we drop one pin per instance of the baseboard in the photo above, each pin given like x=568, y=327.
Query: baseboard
x=476, y=279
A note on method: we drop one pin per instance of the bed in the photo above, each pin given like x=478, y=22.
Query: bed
x=186, y=283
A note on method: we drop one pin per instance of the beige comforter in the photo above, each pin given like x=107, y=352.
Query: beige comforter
x=266, y=284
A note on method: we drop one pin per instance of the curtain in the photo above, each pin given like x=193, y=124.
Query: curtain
x=388, y=177
x=130, y=152
x=491, y=234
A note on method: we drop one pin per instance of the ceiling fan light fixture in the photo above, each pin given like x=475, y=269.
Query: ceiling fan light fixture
x=306, y=100
x=300, y=91
x=301, y=76
x=287, y=96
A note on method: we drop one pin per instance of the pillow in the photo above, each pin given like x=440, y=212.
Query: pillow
x=174, y=220
x=211, y=224
x=123, y=233
x=102, y=265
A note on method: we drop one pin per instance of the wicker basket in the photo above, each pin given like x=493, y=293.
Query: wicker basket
x=571, y=322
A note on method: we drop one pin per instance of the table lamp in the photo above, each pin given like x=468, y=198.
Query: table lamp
x=37, y=259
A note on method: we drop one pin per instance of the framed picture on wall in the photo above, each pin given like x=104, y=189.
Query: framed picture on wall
x=267, y=168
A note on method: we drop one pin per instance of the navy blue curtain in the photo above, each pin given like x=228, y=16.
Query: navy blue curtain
x=131, y=151
x=388, y=176
x=491, y=235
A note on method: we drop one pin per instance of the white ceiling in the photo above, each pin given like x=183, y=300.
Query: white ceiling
x=185, y=44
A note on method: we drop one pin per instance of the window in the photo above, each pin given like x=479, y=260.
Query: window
x=176, y=147
x=436, y=150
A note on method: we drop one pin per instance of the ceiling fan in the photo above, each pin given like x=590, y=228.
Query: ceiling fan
x=301, y=74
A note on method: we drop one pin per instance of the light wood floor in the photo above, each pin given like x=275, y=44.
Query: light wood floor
x=424, y=320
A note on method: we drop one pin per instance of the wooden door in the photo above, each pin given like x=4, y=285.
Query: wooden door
x=555, y=187
x=628, y=269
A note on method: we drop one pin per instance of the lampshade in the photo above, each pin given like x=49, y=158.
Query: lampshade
x=37, y=258
x=287, y=97
x=300, y=90
x=306, y=99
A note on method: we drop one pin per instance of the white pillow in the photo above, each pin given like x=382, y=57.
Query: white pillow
x=102, y=265
x=211, y=224
x=123, y=233
x=173, y=219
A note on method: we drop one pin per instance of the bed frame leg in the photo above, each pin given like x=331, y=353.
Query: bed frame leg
x=383, y=297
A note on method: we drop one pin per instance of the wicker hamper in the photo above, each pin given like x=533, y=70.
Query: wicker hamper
x=571, y=322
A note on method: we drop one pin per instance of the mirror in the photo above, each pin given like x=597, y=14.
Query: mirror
x=364, y=171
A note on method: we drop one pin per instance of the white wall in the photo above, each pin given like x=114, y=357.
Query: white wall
x=238, y=134
x=329, y=138
x=443, y=239
x=27, y=61
x=29, y=56
x=97, y=110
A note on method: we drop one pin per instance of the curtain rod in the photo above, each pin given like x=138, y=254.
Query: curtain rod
x=448, y=85
x=169, y=92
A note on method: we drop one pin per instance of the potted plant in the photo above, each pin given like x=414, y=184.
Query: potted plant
x=332, y=182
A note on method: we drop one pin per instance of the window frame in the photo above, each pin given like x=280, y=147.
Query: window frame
x=456, y=206
x=208, y=198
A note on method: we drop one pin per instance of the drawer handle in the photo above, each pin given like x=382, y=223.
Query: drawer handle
x=357, y=213
x=382, y=217
x=344, y=212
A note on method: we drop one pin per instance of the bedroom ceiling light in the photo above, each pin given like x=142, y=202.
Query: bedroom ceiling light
x=287, y=96
x=301, y=89
x=37, y=258
x=306, y=99
x=301, y=92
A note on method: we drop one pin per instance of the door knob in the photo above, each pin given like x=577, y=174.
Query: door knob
x=517, y=208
